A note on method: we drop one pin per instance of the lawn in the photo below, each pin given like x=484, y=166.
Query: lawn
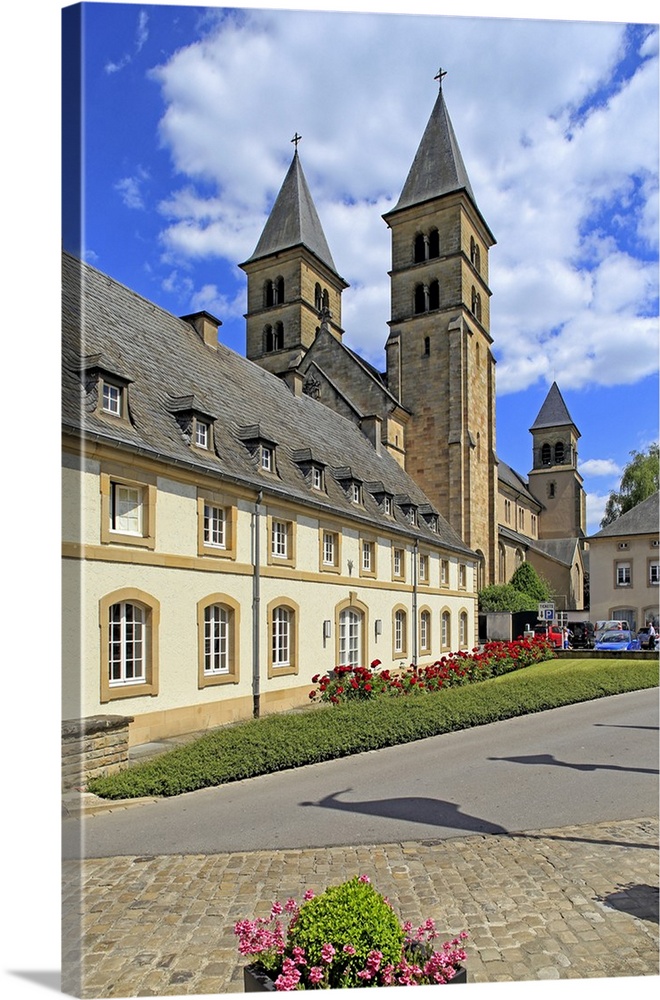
x=279, y=742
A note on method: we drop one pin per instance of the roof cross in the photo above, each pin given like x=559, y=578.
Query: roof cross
x=439, y=75
x=296, y=139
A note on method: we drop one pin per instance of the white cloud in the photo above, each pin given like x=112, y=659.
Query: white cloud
x=571, y=194
x=141, y=36
x=600, y=467
x=595, y=511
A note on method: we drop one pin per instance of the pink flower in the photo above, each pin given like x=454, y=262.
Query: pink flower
x=348, y=949
x=327, y=953
x=315, y=974
x=364, y=878
x=308, y=894
x=290, y=906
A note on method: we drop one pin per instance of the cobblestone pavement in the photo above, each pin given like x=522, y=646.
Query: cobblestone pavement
x=578, y=902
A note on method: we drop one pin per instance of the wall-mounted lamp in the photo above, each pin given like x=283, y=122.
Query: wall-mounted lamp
x=327, y=629
x=378, y=626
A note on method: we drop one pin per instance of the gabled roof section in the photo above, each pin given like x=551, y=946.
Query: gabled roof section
x=294, y=221
x=438, y=167
x=641, y=520
x=554, y=412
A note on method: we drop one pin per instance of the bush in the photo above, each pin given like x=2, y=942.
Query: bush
x=263, y=746
x=351, y=913
x=505, y=597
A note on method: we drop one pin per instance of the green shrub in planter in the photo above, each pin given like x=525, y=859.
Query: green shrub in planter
x=352, y=912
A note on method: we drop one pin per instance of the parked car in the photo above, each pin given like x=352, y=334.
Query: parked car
x=552, y=633
x=582, y=635
x=618, y=640
x=643, y=636
x=609, y=626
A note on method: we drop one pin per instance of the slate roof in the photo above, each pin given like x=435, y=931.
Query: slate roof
x=517, y=482
x=554, y=412
x=641, y=520
x=438, y=168
x=165, y=359
x=294, y=221
x=562, y=550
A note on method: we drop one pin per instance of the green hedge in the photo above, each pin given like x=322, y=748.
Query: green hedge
x=278, y=742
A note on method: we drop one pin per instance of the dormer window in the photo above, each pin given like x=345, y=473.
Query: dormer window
x=266, y=458
x=317, y=478
x=202, y=434
x=112, y=399
x=261, y=447
x=355, y=493
x=195, y=424
x=387, y=505
x=311, y=468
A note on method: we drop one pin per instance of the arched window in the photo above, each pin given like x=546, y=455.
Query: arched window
x=463, y=629
x=283, y=621
x=325, y=299
x=519, y=557
x=129, y=644
x=269, y=340
x=400, y=633
x=445, y=629
x=475, y=253
x=501, y=571
x=419, y=249
x=420, y=298
x=546, y=454
x=279, y=291
x=278, y=337
x=317, y=297
x=217, y=624
x=476, y=304
x=434, y=243
x=425, y=631
x=434, y=295
x=551, y=490
x=269, y=294
x=427, y=346
x=559, y=453
x=350, y=637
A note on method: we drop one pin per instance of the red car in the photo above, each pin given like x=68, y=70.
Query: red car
x=552, y=633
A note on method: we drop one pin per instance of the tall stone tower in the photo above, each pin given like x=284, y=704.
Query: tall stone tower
x=554, y=479
x=439, y=359
x=292, y=279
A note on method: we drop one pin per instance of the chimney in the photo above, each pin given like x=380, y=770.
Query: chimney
x=206, y=326
x=294, y=378
x=371, y=427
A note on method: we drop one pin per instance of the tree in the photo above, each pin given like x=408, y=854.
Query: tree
x=527, y=581
x=505, y=597
x=641, y=478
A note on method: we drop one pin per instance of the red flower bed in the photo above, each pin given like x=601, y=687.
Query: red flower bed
x=494, y=658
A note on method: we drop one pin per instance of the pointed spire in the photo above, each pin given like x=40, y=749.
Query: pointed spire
x=554, y=412
x=294, y=220
x=438, y=166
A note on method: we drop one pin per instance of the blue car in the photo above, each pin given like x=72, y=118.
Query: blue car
x=617, y=640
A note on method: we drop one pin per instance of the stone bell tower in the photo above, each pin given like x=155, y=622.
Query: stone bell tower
x=439, y=359
x=292, y=279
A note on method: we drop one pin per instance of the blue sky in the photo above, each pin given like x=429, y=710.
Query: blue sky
x=188, y=116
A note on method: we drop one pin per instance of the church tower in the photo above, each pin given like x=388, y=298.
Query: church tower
x=554, y=479
x=439, y=359
x=292, y=280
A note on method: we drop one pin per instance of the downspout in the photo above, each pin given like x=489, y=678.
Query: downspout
x=414, y=603
x=256, y=599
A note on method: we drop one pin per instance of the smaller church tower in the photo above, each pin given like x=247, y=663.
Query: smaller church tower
x=292, y=280
x=554, y=480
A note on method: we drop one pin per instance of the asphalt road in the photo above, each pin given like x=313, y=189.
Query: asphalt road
x=585, y=763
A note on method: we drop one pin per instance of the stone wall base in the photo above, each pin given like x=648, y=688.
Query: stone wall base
x=92, y=747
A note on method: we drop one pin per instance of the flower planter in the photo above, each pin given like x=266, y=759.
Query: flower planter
x=257, y=980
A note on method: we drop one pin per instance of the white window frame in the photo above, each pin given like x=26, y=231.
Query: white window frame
x=444, y=572
x=112, y=399
x=623, y=572
x=281, y=626
x=350, y=637
x=217, y=640
x=399, y=632
x=127, y=644
x=367, y=556
x=387, y=506
x=317, y=478
x=654, y=573
x=445, y=629
x=397, y=562
x=423, y=567
x=215, y=526
x=127, y=511
x=202, y=434
x=329, y=548
x=279, y=542
x=355, y=493
x=266, y=458
x=424, y=631
x=463, y=629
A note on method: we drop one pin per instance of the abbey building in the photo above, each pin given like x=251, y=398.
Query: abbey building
x=235, y=525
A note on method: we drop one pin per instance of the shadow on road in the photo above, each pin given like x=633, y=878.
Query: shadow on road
x=414, y=809
x=547, y=758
